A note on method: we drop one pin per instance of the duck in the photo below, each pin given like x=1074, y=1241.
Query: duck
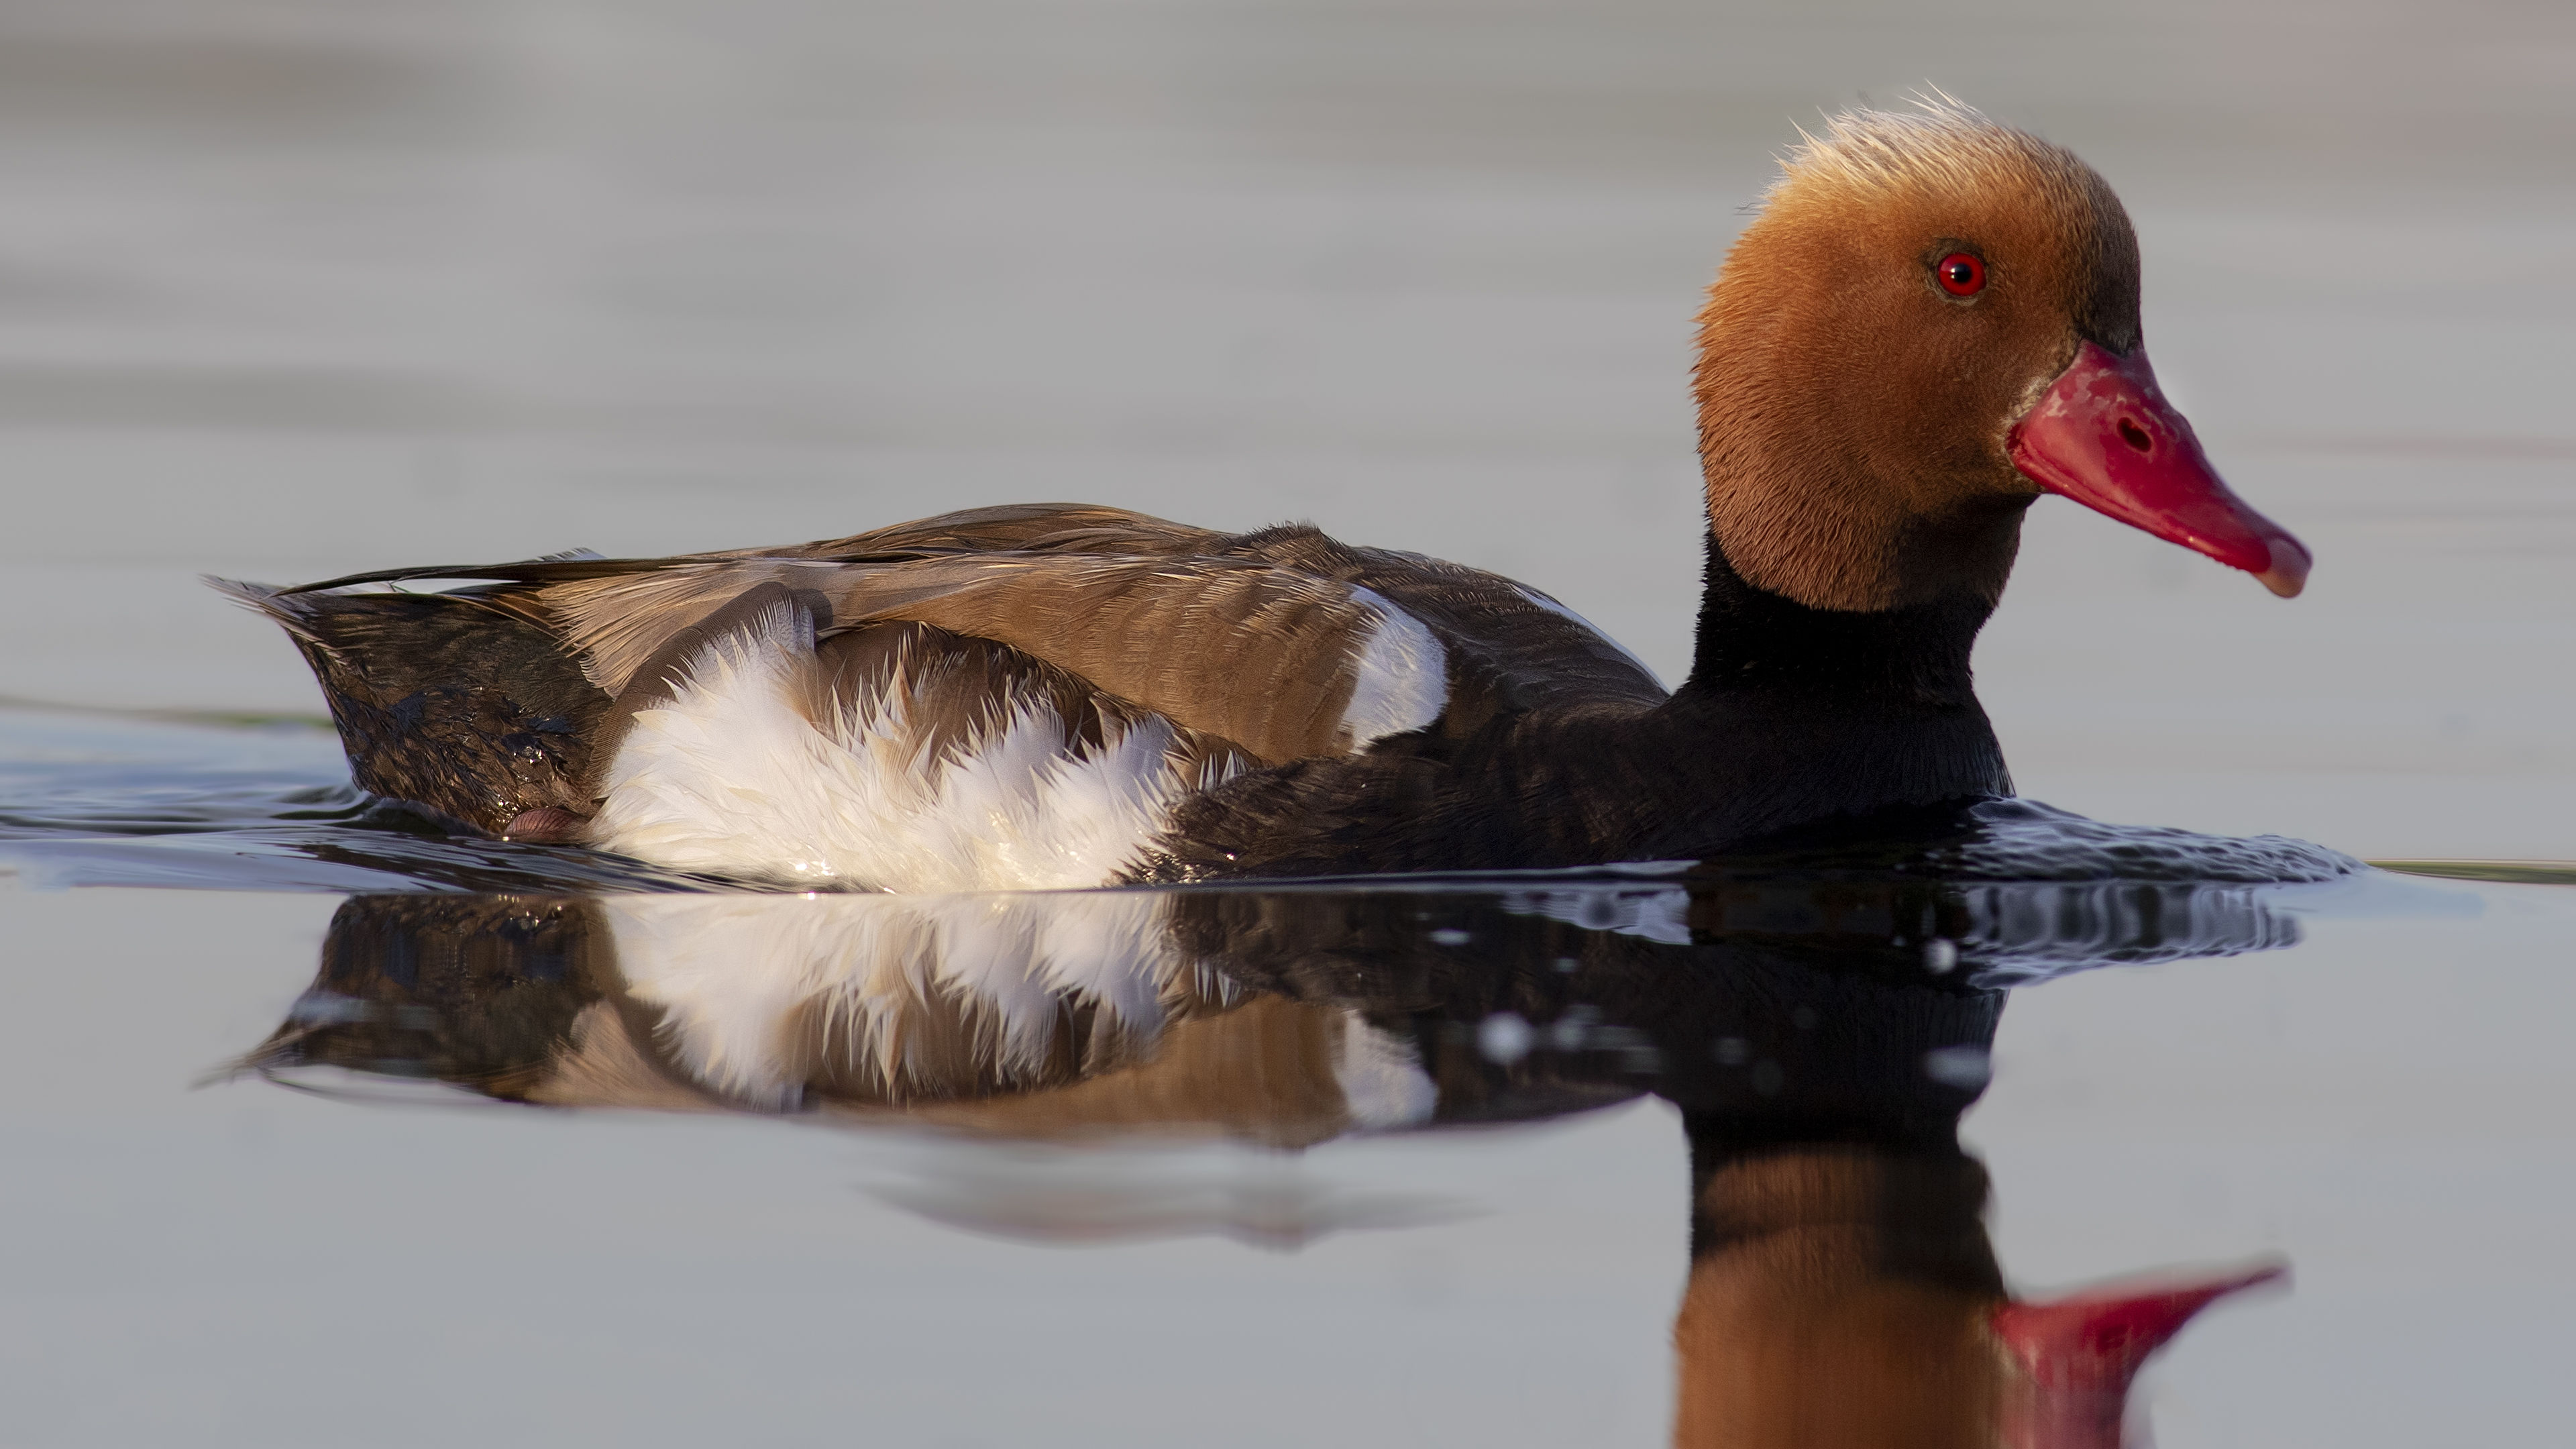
x=1931, y=322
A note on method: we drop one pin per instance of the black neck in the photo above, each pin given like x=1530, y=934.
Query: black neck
x=1753, y=641
x=1925, y=1214
x=1796, y=716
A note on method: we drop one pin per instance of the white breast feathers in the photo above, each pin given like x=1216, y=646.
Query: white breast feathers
x=755, y=767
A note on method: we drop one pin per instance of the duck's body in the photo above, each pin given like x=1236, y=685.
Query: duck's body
x=1790, y=714
x=924, y=707
x=1056, y=696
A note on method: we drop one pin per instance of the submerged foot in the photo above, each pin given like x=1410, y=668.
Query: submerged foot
x=545, y=825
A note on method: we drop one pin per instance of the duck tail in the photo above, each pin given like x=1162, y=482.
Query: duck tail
x=454, y=701
x=287, y=609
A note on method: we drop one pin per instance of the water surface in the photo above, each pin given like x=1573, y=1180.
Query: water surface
x=377, y=1104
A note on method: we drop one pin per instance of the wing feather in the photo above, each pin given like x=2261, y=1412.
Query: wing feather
x=1262, y=656
x=1261, y=639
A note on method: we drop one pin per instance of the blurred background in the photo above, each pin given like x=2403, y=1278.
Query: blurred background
x=290, y=288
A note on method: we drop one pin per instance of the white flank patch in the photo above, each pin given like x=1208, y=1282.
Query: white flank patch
x=731, y=776
x=742, y=980
x=1401, y=682
x=1588, y=627
x=1383, y=1085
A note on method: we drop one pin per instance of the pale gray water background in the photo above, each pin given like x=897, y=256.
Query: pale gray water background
x=293, y=289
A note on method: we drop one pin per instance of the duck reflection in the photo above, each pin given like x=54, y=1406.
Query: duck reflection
x=1281, y=1017
x=1036, y=1016
x=1845, y=1293
x=1821, y=1036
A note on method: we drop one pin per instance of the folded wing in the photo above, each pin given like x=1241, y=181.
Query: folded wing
x=1260, y=648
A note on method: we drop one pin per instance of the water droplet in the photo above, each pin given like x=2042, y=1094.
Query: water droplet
x=1504, y=1037
x=1450, y=937
x=1940, y=955
x=1964, y=1067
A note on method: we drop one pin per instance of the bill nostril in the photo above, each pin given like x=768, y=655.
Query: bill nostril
x=2135, y=436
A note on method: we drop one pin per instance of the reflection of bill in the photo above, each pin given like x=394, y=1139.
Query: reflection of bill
x=1821, y=1038
x=1846, y=1295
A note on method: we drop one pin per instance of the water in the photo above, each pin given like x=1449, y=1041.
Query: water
x=1429, y=1141
x=290, y=289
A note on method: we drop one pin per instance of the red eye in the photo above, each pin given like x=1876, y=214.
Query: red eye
x=1961, y=275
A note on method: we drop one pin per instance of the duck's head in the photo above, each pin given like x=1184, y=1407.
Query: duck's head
x=1934, y=320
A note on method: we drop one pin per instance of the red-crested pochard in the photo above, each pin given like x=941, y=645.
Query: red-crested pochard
x=1933, y=321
